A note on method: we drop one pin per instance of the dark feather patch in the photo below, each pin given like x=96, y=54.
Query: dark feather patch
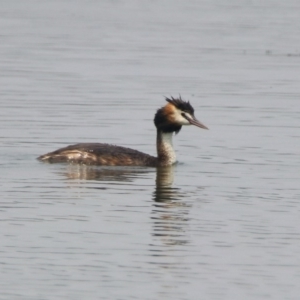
x=181, y=104
x=161, y=122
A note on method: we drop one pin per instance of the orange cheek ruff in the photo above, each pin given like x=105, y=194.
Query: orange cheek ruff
x=170, y=112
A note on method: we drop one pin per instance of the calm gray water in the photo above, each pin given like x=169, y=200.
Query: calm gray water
x=222, y=224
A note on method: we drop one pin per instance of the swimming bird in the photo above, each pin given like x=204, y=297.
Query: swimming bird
x=168, y=120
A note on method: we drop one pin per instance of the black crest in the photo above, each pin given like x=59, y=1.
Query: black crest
x=181, y=104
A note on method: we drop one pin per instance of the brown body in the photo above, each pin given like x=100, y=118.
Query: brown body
x=100, y=154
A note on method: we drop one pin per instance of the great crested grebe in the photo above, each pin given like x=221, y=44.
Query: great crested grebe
x=168, y=119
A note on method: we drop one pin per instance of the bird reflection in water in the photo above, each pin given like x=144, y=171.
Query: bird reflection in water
x=122, y=174
x=170, y=213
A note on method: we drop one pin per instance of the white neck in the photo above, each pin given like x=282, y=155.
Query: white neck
x=165, y=151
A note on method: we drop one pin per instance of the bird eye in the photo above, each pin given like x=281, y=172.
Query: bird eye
x=184, y=115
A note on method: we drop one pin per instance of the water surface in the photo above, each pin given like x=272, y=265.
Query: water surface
x=221, y=224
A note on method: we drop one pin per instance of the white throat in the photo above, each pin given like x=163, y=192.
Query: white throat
x=165, y=148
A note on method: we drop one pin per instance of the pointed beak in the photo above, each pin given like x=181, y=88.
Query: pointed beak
x=197, y=123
